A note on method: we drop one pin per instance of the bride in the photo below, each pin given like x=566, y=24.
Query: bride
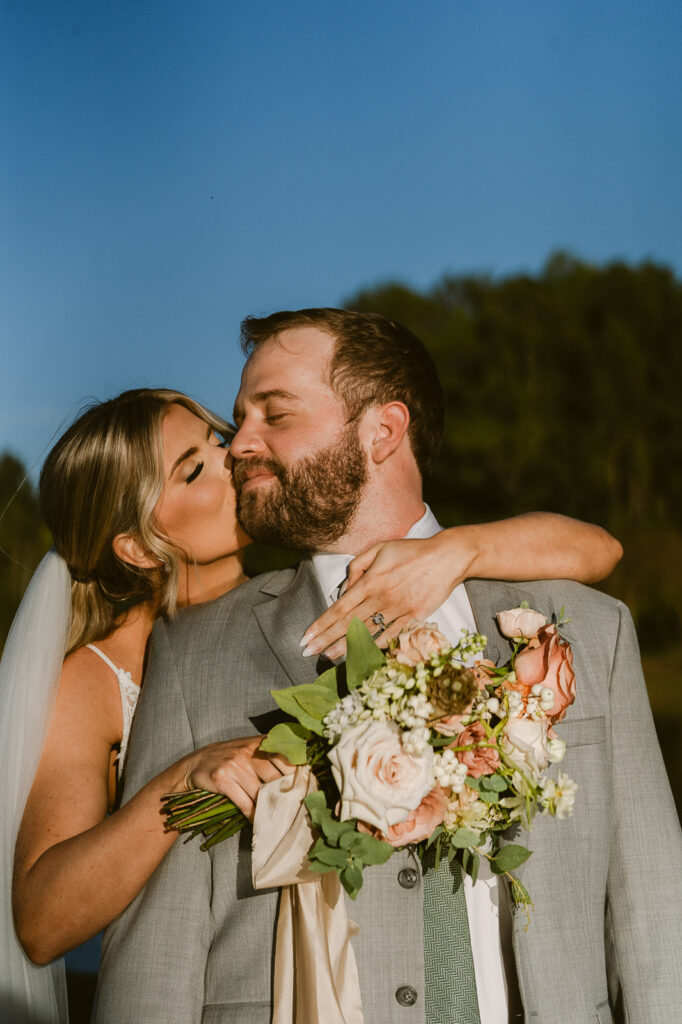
x=138, y=495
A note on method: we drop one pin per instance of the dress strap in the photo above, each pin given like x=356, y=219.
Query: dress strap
x=109, y=662
x=129, y=691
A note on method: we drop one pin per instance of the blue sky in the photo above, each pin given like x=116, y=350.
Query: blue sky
x=169, y=167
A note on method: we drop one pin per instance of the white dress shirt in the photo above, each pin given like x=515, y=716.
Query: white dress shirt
x=487, y=901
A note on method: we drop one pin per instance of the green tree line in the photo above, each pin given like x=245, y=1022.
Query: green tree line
x=562, y=389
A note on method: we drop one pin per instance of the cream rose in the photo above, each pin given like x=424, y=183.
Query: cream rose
x=379, y=782
x=520, y=622
x=419, y=642
x=524, y=741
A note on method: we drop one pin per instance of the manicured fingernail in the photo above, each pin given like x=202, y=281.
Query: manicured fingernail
x=310, y=650
x=333, y=652
x=307, y=637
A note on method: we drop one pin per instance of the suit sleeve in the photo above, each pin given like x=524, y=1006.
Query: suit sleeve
x=155, y=952
x=643, y=920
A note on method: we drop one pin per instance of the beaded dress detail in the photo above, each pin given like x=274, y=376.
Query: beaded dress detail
x=130, y=691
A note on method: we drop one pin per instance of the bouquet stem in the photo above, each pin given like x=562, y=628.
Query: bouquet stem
x=198, y=812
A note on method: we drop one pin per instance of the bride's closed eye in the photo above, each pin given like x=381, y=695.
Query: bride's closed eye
x=196, y=471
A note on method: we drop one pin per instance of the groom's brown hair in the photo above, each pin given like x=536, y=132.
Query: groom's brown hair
x=375, y=360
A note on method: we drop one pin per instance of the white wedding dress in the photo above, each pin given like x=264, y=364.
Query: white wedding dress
x=29, y=677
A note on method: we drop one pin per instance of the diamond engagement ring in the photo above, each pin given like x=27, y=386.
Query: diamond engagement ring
x=379, y=620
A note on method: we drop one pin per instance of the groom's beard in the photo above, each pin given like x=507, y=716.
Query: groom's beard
x=311, y=504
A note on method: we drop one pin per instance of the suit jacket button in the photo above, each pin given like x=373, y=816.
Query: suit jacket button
x=408, y=878
x=406, y=995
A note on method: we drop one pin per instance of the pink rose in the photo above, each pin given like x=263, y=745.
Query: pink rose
x=550, y=664
x=421, y=822
x=520, y=622
x=419, y=642
x=481, y=760
x=452, y=724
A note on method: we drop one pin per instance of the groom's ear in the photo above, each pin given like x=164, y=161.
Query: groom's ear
x=388, y=425
x=129, y=550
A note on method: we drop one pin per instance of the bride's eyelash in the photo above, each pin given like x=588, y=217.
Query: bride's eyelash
x=195, y=473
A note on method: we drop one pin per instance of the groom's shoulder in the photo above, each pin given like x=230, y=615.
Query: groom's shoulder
x=210, y=616
x=579, y=602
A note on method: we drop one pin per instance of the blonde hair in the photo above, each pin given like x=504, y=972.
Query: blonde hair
x=103, y=478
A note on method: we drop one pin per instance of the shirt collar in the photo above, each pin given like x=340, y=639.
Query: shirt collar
x=331, y=568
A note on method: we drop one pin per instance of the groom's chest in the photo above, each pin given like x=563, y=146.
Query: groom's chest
x=229, y=692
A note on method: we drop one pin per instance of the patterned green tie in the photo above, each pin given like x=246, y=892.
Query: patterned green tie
x=448, y=961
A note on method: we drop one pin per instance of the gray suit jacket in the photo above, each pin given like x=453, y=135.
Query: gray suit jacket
x=196, y=944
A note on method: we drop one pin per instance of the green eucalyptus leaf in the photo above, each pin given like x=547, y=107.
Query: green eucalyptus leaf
x=520, y=894
x=328, y=855
x=316, y=803
x=464, y=837
x=322, y=818
x=509, y=857
x=364, y=657
x=494, y=783
x=314, y=703
x=319, y=868
x=351, y=880
x=290, y=740
x=371, y=850
x=287, y=701
x=489, y=798
x=434, y=835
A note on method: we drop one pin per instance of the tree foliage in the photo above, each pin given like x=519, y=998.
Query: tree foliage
x=562, y=390
x=23, y=538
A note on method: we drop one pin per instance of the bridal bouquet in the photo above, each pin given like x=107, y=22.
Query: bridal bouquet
x=427, y=746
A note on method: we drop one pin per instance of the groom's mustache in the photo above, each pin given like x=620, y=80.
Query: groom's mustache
x=242, y=469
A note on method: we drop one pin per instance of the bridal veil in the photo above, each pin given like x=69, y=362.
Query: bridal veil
x=29, y=674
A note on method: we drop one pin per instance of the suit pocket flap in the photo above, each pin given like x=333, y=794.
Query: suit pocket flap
x=604, y=1013
x=582, y=732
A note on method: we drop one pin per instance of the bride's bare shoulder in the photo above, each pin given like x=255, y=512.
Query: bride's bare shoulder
x=89, y=693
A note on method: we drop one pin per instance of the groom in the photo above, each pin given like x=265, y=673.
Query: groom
x=339, y=417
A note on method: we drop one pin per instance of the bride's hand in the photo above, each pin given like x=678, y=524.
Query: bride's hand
x=398, y=579
x=236, y=768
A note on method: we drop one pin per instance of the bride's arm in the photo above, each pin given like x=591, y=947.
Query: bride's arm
x=409, y=579
x=75, y=868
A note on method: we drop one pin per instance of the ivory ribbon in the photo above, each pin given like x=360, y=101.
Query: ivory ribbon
x=316, y=977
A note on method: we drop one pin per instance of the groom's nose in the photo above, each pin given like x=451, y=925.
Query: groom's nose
x=247, y=441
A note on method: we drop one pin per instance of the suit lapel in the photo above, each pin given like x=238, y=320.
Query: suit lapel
x=486, y=602
x=284, y=620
